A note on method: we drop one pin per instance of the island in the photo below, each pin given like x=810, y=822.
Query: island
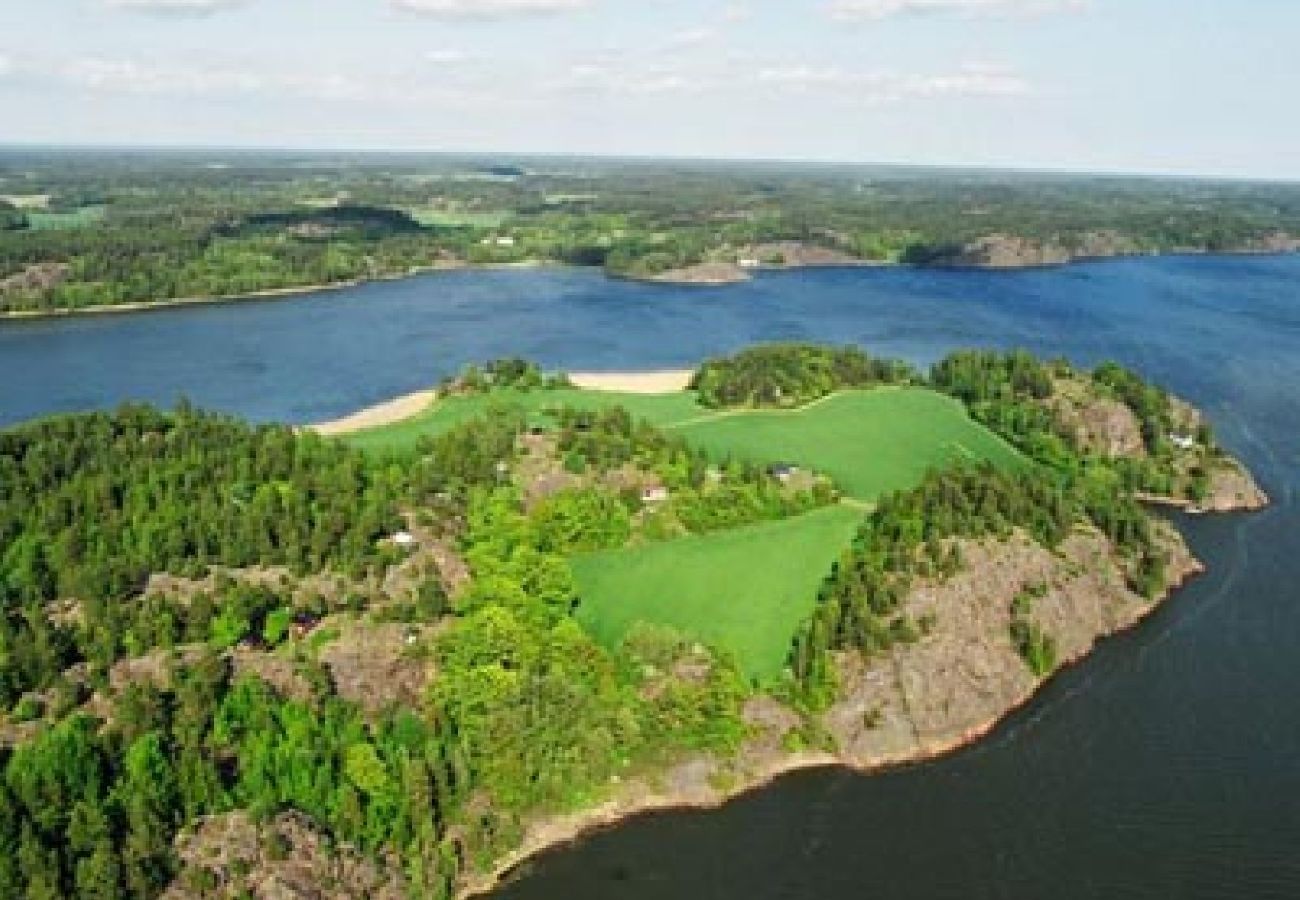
x=399, y=654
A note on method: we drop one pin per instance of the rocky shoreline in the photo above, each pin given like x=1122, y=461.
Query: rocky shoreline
x=915, y=703
x=996, y=252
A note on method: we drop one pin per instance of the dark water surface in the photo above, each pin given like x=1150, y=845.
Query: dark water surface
x=1165, y=766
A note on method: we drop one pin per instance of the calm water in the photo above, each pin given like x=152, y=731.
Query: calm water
x=1166, y=766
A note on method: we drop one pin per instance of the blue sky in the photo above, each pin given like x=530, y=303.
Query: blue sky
x=1204, y=87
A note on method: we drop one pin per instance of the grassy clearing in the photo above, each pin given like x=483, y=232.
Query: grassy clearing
x=661, y=409
x=748, y=589
x=53, y=221
x=870, y=442
x=434, y=218
x=744, y=590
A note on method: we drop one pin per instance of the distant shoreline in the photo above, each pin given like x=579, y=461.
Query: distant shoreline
x=264, y=294
x=685, y=279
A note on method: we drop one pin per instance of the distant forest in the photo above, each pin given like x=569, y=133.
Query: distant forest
x=81, y=229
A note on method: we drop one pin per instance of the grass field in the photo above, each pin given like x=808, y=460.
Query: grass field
x=745, y=590
x=661, y=409
x=458, y=219
x=52, y=221
x=869, y=442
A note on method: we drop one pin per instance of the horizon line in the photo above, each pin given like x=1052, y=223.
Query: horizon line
x=1005, y=168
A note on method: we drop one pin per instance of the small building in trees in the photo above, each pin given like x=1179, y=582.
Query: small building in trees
x=654, y=494
x=782, y=472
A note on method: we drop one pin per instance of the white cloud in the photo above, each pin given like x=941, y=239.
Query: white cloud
x=126, y=76
x=175, y=7
x=692, y=37
x=877, y=10
x=972, y=80
x=487, y=9
x=6, y=65
x=447, y=56
x=608, y=77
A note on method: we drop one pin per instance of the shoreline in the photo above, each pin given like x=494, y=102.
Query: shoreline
x=299, y=290
x=569, y=828
x=386, y=412
x=406, y=406
x=650, y=381
x=263, y=294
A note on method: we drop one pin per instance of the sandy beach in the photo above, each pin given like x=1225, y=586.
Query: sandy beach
x=385, y=413
x=408, y=405
x=667, y=381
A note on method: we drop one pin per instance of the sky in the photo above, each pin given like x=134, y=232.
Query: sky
x=1180, y=87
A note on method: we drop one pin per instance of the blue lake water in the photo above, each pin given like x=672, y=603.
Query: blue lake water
x=1165, y=766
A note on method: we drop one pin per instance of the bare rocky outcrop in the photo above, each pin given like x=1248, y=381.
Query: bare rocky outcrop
x=1275, y=242
x=953, y=684
x=705, y=273
x=1096, y=424
x=1233, y=488
x=286, y=858
x=302, y=589
x=1104, y=243
x=35, y=278
x=378, y=665
x=798, y=254
x=772, y=254
x=1008, y=251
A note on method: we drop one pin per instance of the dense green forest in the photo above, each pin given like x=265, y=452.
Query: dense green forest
x=88, y=228
x=132, y=711
x=527, y=710
x=788, y=375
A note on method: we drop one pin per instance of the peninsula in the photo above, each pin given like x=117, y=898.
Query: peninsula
x=481, y=620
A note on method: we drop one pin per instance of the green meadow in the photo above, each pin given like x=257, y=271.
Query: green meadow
x=44, y=220
x=870, y=442
x=745, y=590
x=442, y=218
x=660, y=409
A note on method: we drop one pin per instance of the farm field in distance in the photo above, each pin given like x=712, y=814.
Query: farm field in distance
x=745, y=590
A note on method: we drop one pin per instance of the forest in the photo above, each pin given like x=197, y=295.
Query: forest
x=792, y=374
x=94, y=228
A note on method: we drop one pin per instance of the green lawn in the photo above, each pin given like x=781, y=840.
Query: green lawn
x=40, y=220
x=870, y=442
x=661, y=409
x=745, y=590
x=748, y=589
x=430, y=217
